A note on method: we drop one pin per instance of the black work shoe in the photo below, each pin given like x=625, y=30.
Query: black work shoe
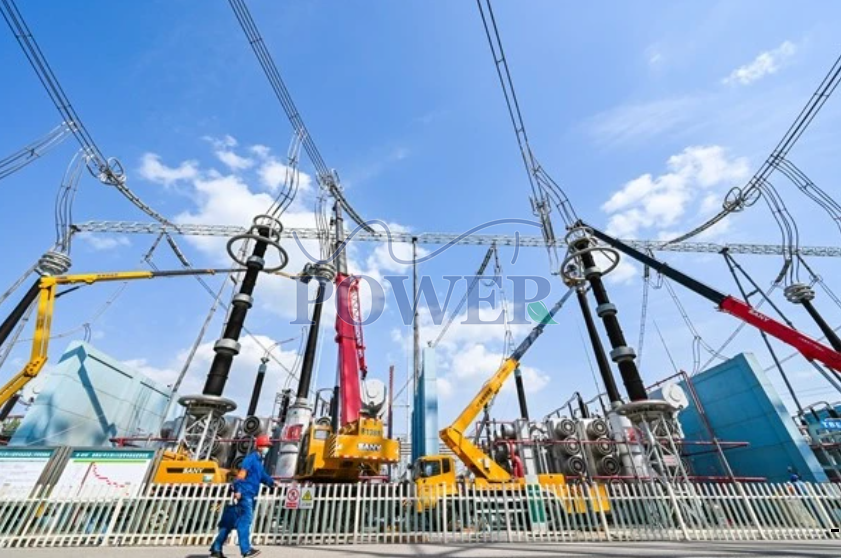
x=217, y=554
x=250, y=553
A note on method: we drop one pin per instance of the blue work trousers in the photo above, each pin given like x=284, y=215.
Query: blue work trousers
x=246, y=516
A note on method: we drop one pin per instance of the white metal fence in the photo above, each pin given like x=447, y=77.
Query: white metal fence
x=392, y=513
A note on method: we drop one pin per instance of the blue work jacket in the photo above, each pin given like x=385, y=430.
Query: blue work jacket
x=250, y=475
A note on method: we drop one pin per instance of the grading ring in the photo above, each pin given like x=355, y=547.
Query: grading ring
x=284, y=257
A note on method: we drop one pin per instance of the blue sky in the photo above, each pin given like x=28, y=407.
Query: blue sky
x=646, y=114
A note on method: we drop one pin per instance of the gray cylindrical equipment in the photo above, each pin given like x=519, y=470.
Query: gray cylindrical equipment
x=602, y=446
x=507, y=432
x=252, y=426
x=630, y=452
x=575, y=465
x=564, y=428
x=597, y=428
x=609, y=466
x=570, y=446
x=297, y=422
x=243, y=447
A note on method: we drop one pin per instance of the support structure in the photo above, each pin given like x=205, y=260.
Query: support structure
x=299, y=414
x=444, y=238
x=598, y=349
x=205, y=412
x=656, y=453
x=581, y=253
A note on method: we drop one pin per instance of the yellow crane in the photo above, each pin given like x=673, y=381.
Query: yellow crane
x=174, y=466
x=435, y=475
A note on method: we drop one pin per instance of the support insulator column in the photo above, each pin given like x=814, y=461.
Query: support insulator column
x=598, y=349
x=521, y=394
x=323, y=274
x=18, y=311
x=6, y=410
x=621, y=353
x=258, y=386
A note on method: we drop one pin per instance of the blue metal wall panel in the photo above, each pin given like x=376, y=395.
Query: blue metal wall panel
x=425, y=408
x=742, y=405
x=430, y=401
x=89, y=398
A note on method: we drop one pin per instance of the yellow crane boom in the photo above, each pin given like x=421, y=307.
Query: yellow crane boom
x=46, y=295
x=455, y=435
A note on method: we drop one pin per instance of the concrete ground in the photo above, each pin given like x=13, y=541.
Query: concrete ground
x=808, y=549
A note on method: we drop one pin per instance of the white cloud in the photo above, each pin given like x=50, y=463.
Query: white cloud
x=153, y=170
x=223, y=149
x=463, y=372
x=101, y=243
x=623, y=274
x=227, y=199
x=654, y=55
x=260, y=150
x=635, y=122
x=233, y=160
x=241, y=379
x=767, y=63
x=649, y=202
x=273, y=174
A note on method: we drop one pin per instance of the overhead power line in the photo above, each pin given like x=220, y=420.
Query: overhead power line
x=326, y=177
x=34, y=150
x=545, y=191
x=739, y=198
x=107, y=170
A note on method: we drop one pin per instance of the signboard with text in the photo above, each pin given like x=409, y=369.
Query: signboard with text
x=121, y=470
x=20, y=470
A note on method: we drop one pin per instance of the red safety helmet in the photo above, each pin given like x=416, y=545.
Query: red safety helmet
x=263, y=441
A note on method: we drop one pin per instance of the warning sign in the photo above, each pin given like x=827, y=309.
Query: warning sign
x=291, y=433
x=293, y=498
x=307, y=498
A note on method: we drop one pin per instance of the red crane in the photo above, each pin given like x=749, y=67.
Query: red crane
x=808, y=347
x=351, y=361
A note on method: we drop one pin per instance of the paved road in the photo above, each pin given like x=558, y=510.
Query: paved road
x=821, y=549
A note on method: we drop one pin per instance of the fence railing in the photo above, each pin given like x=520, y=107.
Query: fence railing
x=394, y=513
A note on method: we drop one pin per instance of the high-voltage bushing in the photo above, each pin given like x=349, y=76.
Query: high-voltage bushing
x=580, y=262
x=208, y=409
x=298, y=411
x=266, y=232
x=800, y=293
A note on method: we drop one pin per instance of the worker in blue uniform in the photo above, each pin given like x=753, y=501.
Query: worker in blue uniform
x=246, y=485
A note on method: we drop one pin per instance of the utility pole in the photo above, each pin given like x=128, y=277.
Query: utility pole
x=415, y=325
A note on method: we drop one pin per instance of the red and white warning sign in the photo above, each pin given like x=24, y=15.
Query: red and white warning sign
x=293, y=498
x=291, y=433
